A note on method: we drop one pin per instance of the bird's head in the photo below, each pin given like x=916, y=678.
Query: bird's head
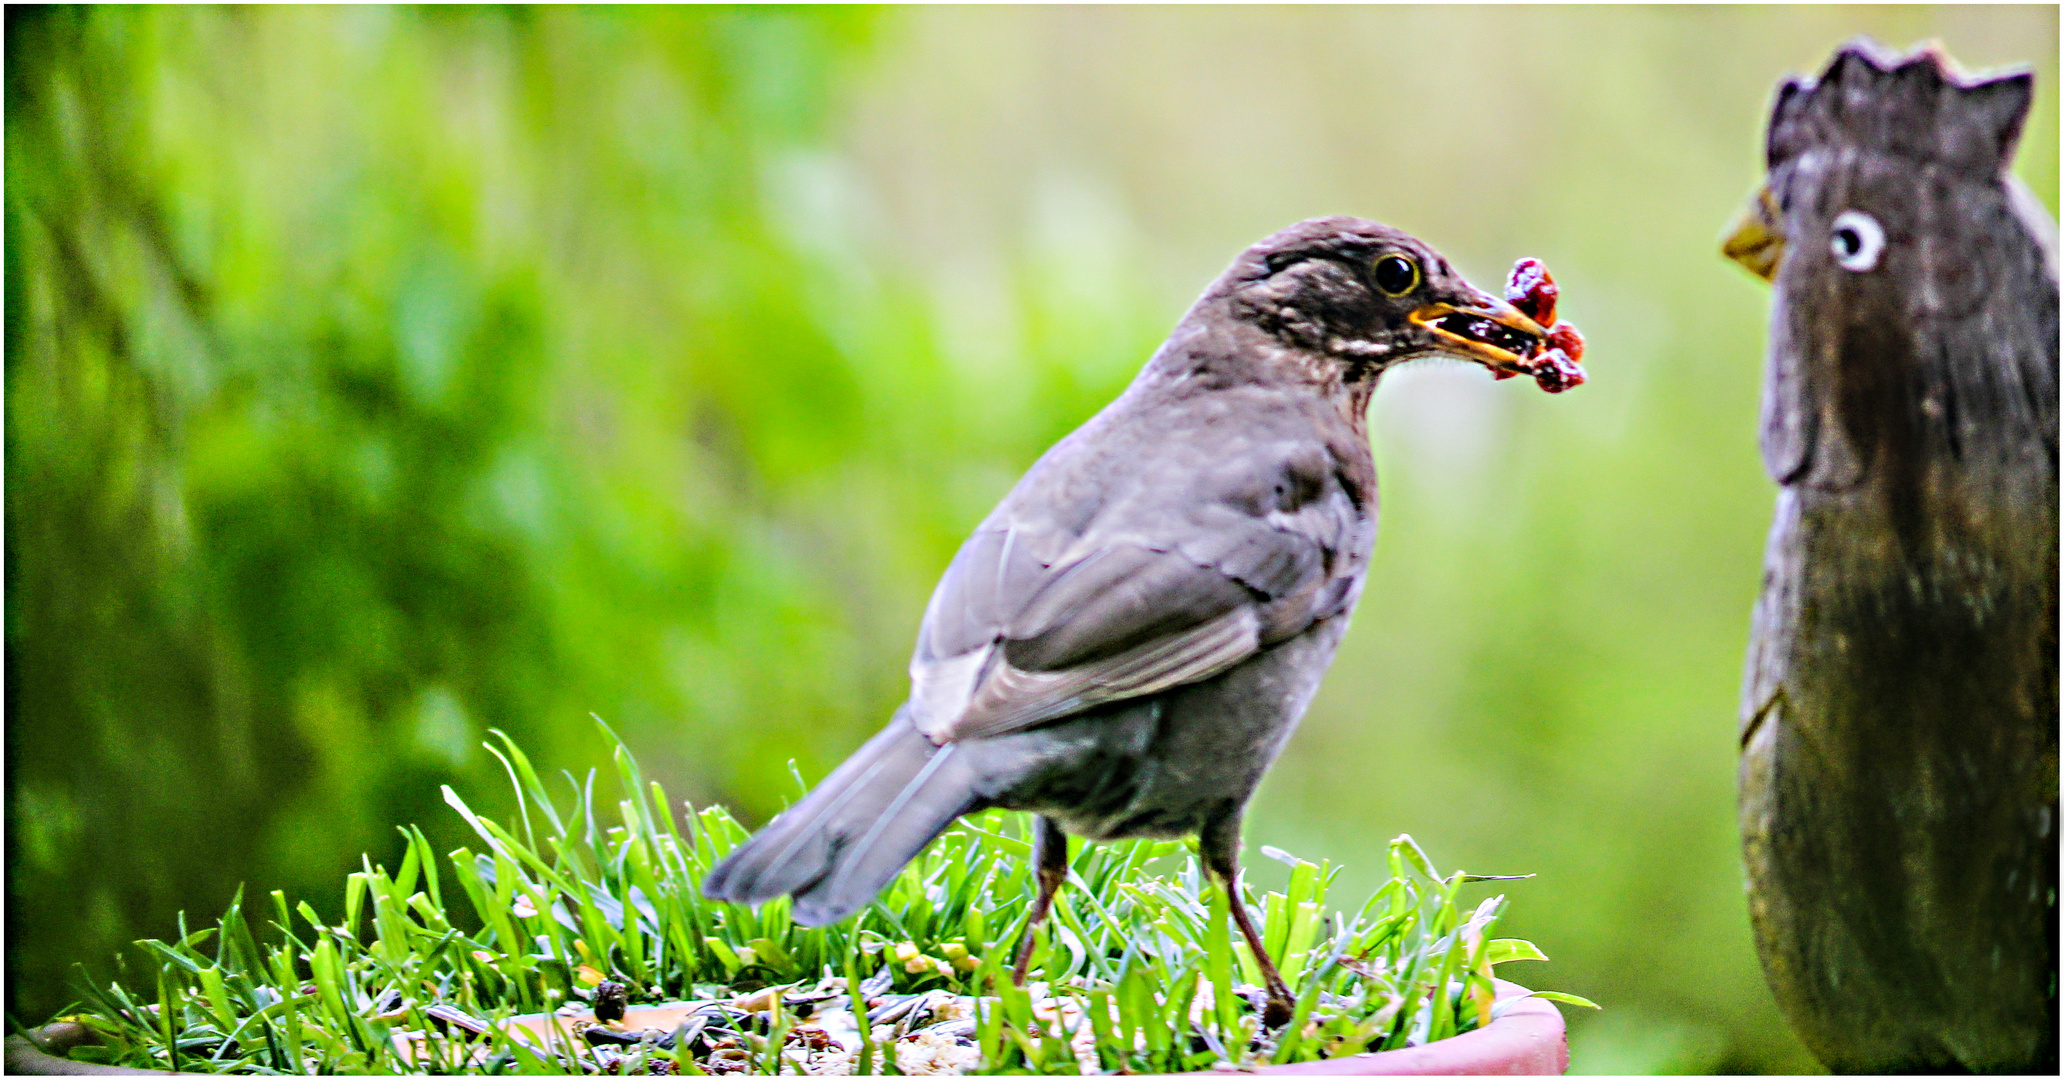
x=1367, y=296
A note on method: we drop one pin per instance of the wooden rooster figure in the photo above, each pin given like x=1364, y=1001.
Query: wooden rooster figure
x=1899, y=715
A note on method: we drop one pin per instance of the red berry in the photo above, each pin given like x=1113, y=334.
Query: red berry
x=1530, y=289
x=1552, y=362
x=1565, y=337
x=1557, y=372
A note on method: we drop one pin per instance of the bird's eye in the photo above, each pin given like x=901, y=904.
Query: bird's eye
x=1396, y=274
x=1857, y=240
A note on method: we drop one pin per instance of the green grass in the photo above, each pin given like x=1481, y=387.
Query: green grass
x=573, y=890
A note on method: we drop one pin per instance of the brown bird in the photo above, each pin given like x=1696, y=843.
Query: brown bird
x=1899, y=714
x=1127, y=641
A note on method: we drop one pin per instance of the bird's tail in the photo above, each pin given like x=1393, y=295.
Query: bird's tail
x=838, y=848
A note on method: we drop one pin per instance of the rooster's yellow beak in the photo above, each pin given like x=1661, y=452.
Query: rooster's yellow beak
x=1756, y=239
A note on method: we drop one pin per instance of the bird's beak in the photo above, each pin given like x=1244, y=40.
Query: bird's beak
x=1491, y=332
x=1756, y=239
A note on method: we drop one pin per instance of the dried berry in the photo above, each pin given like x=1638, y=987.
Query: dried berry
x=1530, y=289
x=1565, y=337
x=1556, y=372
x=1552, y=362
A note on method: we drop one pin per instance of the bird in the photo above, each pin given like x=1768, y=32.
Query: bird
x=1126, y=642
x=1898, y=771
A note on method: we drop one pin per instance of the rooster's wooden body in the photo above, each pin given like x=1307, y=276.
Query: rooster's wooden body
x=1899, y=716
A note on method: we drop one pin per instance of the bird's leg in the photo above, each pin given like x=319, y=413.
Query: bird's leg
x=1219, y=843
x=1050, y=856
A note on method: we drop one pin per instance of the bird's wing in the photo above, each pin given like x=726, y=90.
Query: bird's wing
x=1029, y=624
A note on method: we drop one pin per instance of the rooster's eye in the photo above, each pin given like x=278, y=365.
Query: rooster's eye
x=1857, y=240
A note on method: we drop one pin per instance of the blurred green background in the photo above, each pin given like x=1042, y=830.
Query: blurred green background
x=377, y=376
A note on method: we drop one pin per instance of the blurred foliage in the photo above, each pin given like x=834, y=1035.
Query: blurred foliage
x=376, y=376
x=341, y=426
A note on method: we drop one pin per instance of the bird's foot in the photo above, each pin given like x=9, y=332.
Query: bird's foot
x=1278, y=1011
